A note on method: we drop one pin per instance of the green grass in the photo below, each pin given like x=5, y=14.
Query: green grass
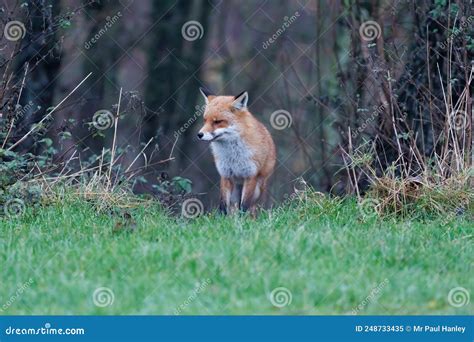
x=327, y=255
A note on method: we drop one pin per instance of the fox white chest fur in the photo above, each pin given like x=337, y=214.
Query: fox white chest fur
x=234, y=158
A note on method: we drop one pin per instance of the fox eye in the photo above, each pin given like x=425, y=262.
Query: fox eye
x=218, y=121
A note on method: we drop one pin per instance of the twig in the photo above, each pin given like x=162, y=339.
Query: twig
x=17, y=103
x=138, y=155
x=47, y=115
x=114, y=141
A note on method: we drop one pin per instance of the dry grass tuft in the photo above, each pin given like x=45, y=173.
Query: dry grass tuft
x=417, y=184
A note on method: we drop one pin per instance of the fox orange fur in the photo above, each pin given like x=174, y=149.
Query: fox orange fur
x=243, y=149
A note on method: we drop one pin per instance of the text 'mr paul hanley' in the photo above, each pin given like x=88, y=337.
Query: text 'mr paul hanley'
x=439, y=328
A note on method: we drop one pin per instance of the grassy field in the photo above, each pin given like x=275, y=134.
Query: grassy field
x=327, y=256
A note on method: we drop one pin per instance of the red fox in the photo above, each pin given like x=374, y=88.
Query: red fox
x=243, y=149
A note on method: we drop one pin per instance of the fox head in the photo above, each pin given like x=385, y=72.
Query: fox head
x=221, y=116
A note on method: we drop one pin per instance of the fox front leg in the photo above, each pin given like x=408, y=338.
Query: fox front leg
x=250, y=194
x=226, y=193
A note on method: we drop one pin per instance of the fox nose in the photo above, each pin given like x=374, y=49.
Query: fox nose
x=200, y=135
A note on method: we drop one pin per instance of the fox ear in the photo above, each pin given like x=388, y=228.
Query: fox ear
x=241, y=100
x=206, y=94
